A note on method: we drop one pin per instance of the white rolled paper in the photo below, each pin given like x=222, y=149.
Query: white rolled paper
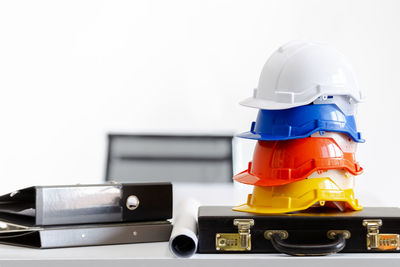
x=183, y=240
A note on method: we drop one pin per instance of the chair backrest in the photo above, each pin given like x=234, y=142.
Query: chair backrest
x=175, y=158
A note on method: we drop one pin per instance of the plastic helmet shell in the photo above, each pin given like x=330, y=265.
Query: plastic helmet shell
x=298, y=196
x=300, y=72
x=343, y=140
x=300, y=122
x=342, y=178
x=282, y=162
x=344, y=103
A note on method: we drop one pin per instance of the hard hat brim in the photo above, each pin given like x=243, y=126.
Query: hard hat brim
x=301, y=122
x=253, y=102
x=261, y=173
x=298, y=196
x=245, y=177
x=264, y=210
x=266, y=137
x=266, y=104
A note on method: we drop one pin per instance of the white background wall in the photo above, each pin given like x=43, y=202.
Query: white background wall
x=71, y=71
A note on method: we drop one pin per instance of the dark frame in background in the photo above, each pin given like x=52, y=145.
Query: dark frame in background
x=112, y=136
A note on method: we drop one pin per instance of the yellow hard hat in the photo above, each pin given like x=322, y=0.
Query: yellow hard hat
x=301, y=195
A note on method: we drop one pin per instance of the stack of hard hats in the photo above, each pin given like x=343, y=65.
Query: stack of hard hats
x=306, y=130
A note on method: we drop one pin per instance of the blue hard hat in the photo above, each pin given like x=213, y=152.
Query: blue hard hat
x=300, y=122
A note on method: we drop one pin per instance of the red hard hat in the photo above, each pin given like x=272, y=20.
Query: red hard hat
x=282, y=162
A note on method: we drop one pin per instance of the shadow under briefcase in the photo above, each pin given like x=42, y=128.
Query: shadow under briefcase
x=313, y=232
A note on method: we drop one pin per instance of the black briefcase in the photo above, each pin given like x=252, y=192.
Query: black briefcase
x=315, y=232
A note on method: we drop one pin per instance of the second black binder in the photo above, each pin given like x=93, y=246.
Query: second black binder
x=79, y=204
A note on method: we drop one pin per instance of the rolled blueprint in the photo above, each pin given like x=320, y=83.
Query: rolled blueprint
x=183, y=240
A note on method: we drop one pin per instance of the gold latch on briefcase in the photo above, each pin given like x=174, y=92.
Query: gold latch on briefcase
x=240, y=241
x=377, y=241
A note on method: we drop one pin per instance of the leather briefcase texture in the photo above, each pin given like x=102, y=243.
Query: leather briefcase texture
x=312, y=232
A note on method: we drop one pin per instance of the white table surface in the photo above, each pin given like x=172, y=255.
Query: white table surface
x=157, y=254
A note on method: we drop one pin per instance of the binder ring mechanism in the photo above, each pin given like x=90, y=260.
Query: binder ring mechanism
x=9, y=230
x=132, y=202
x=277, y=238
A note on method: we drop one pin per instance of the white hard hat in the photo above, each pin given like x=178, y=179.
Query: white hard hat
x=343, y=140
x=300, y=72
x=341, y=177
x=343, y=102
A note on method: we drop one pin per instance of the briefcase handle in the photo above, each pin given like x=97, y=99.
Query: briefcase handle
x=338, y=243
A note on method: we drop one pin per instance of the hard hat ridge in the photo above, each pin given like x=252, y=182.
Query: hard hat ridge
x=300, y=72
